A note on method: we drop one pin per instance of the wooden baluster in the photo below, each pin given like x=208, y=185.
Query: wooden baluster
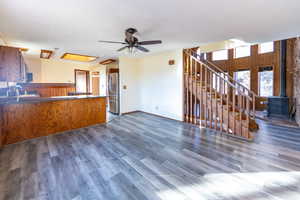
x=197, y=96
x=241, y=111
x=201, y=93
x=205, y=102
x=194, y=92
x=222, y=113
x=233, y=109
x=216, y=102
x=210, y=96
x=190, y=89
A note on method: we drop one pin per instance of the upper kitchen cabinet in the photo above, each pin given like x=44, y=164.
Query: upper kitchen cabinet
x=12, y=65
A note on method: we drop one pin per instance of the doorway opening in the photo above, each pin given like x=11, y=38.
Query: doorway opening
x=82, y=81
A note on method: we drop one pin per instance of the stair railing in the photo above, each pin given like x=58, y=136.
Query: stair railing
x=225, y=104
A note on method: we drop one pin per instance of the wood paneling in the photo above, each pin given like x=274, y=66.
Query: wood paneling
x=50, y=89
x=31, y=120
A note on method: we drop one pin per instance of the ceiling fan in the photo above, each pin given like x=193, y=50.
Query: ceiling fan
x=132, y=42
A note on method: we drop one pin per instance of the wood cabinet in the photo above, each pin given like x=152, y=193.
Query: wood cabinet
x=12, y=65
x=22, y=121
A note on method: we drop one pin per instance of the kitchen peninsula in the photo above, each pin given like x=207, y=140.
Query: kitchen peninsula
x=26, y=118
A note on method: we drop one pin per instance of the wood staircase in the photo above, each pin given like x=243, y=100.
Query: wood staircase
x=213, y=99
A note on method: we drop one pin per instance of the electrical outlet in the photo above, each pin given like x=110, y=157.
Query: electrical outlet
x=156, y=108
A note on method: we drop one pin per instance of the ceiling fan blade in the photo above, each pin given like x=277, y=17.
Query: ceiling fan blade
x=121, y=49
x=150, y=42
x=104, y=41
x=141, y=48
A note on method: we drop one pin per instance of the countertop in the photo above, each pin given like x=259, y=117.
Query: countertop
x=21, y=100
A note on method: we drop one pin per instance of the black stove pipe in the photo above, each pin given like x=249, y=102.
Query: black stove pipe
x=283, y=47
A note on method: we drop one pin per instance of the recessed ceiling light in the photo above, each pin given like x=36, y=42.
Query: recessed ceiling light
x=78, y=57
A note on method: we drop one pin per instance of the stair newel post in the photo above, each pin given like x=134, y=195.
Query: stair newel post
x=190, y=89
x=210, y=98
x=248, y=114
x=201, y=97
x=216, y=100
x=205, y=101
x=185, y=85
x=195, y=91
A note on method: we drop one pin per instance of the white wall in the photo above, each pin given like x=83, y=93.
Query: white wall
x=34, y=66
x=129, y=77
x=161, y=84
x=153, y=85
x=56, y=71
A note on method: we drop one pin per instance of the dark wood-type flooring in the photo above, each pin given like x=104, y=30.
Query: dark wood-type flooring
x=140, y=156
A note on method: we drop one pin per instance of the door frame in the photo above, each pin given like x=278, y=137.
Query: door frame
x=87, y=79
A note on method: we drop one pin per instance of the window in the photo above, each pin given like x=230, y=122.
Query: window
x=243, y=77
x=242, y=51
x=266, y=47
x=220, y=55
x=265, y=76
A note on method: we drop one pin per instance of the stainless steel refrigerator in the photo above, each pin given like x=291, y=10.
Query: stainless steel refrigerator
x=113, y=92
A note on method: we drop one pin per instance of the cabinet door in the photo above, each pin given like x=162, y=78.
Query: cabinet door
x=10, y=64
x=3, y=69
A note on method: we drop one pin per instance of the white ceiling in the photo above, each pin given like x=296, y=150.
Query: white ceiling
x=76, y=25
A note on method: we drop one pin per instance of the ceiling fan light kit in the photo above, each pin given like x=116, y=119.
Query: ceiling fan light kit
x=132, y=43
